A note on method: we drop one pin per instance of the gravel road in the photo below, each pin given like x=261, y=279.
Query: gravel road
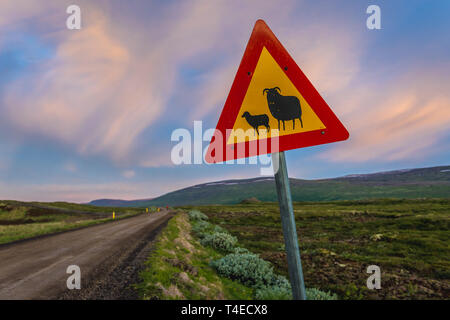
x=109, y=255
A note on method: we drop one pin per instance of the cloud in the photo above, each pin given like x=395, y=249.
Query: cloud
x=107, y=87
x=104, y=87
x=73, y=192
x=7, y=149
x=70, y=167
x=329, y=56
x=155, y=159
x=212, y=92
x=92, y=94
x=401, y=119
x=128, y=174
x=85, y=192
x=15, y=12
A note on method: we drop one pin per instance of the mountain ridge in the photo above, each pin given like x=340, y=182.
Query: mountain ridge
x=431, y=182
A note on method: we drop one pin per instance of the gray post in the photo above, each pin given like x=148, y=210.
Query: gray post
x=289, y=229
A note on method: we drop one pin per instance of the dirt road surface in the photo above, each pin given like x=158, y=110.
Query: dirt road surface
x=109, y=255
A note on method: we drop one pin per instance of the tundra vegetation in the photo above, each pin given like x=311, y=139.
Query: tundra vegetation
x=21, y=220
x=195, y=259
x=178, y=267
x=408, y=239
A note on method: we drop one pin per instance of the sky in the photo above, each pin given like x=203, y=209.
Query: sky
x=88, y=114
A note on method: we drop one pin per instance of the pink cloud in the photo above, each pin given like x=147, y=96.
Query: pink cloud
x=85, y=192
x=70, y=167
x=113, y=80
x=128, y=174
x=92, y=94
x=74, y=192
x=330, y=59
x=404, y=118
x=105, y=86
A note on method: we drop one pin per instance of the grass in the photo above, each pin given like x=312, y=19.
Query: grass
x=178, y=268
x=408, y=239
x=20, y=220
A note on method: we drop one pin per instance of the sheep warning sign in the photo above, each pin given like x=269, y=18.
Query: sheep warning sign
x=272, y=106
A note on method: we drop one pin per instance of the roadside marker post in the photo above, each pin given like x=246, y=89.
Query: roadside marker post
x=272, y=107
x=146, y=210
x=114, y=215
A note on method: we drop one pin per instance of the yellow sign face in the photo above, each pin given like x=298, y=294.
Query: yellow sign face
x=272, y=102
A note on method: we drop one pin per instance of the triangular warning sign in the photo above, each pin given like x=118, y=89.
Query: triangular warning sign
x=271, y=106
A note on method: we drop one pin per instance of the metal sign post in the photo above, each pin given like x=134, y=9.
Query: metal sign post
x=289, y=229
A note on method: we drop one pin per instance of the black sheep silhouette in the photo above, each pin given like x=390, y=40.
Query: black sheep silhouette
x=283, y=108
x=257, y=121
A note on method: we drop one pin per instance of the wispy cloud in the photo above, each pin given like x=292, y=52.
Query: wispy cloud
x=72, y=192
x=90, y=94
x=128, y=174
x=103, y=88
x=404, y=118
x=70, y=167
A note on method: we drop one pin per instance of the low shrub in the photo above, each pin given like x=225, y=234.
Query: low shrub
x=316, y=294
x=273, y=293
x=196, y=215
x=242, y=265
x=219, y=229
x=283, y=293
x=279, y=289
x=219, y=240
x=240, y=250
x=201, y=227
x=247, y=268
x=255, y=272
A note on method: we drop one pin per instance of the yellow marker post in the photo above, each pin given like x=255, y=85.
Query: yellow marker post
x=159, y=209
x=114, y=215
x=146, y=210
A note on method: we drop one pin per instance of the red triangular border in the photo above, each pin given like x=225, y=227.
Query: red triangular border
x=261, y=37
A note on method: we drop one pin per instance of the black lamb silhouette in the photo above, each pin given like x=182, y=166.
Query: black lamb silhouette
x=257, y=120
x=283, y=108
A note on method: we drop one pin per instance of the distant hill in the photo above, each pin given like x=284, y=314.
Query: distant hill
x=117, y=203
x=409, y=183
